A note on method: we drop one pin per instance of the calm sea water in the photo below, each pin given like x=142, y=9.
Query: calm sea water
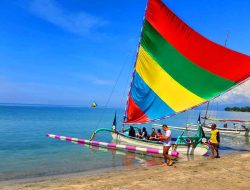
x=26, y=152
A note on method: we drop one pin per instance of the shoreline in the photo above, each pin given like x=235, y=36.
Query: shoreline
x=154, y=161
x=64, y=175
x=232, y=171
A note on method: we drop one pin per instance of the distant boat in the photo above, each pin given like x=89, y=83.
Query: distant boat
x=94, y=104
x=240, y=127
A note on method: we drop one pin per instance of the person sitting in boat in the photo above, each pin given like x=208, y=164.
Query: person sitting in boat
x=234, y=124
x=153, y=135
x=225, y=125
x=144, y=133
x=139, y=134
x=159, y=134
x=215, y=140
x=131, y=131
x=123, y=129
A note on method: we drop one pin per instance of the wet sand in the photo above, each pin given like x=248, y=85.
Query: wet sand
x=228, y=172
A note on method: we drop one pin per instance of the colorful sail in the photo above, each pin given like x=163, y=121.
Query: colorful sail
x=177, y=69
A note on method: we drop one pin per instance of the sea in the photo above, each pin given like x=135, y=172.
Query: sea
x=26, y=151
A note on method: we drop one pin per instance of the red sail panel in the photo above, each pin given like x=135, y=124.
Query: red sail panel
x=134, y=113
x=206, y=54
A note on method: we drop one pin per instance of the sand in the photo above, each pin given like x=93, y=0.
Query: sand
x=228, y=172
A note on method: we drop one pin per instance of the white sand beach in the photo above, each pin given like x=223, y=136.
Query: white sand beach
x=228, y=172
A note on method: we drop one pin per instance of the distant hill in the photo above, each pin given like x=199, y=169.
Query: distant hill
x=241, y=109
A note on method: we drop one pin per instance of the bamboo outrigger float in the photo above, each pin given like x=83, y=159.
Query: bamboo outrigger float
x=112, y=145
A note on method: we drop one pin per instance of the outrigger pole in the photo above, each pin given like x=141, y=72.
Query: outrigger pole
x=112, y=145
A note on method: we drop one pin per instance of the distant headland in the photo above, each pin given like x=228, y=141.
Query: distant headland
x=241, y=109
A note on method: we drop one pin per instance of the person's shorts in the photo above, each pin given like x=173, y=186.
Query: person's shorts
x=215, y=145
x=166, y=144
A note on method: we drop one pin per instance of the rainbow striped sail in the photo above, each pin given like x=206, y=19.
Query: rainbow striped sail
x=177, y=69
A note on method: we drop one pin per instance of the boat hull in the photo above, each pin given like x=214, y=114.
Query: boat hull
x=228, y=131
x=182, y=149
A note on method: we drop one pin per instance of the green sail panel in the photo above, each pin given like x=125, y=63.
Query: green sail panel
x=188, y=74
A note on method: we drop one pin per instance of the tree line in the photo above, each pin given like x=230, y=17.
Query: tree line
x=242, y=109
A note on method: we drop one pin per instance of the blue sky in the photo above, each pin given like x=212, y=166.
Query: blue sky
x=78, y=51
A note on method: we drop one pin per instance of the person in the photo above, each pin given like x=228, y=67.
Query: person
x=225, y=125
x=139, y=134
x=166, y=140
x=234, y=124
x=159, y=134
x=123, y=129
x=153, y=135
x=144, y=133
x=215, y=140
x=131, y=131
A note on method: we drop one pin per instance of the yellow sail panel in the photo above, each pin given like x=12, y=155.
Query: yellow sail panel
x=171, y=92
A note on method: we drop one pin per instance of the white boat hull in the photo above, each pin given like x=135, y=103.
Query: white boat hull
x=182, y=149
x=228, y=131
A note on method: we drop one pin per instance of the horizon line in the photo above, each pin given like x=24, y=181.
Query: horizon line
x=51, y=105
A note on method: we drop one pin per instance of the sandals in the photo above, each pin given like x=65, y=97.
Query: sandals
x=170, y=163
x=164, y=164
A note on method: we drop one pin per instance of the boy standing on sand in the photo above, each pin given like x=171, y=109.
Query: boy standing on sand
x=166, y=140
x=215, y=140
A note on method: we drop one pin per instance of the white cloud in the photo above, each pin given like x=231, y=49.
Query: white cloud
x=80, y=23
x=240, y=94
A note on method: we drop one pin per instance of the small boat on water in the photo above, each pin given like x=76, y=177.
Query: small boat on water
x=94, y=105
x=238, y=127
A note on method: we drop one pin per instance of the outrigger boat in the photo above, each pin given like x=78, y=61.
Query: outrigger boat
x=193, y=145
x=239, y=127
x=176, y=69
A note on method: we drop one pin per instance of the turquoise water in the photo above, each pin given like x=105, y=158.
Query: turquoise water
x=26, y=152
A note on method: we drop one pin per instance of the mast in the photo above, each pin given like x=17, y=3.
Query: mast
x=205, y=117
x=225, y=44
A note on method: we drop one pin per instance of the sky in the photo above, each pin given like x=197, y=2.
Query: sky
x=63, y=52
